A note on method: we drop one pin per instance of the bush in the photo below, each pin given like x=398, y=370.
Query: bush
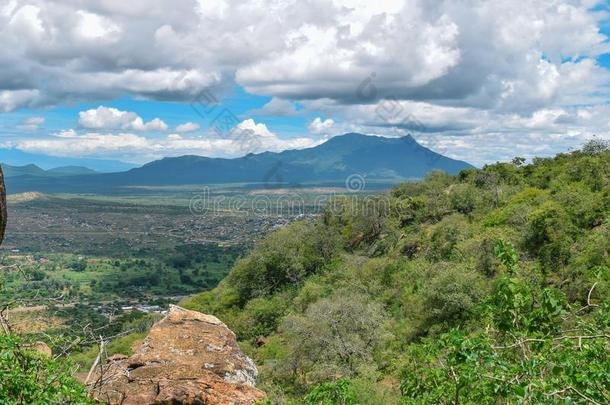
x=450, y=298
x=335, y=336
x=283, y=259
x=339, y=392
x=28, y=377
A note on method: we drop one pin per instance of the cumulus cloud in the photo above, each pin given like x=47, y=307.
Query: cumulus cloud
x=486, y=53
x=246, y=137
x=257, y=129
x=471, y=69
x=112, y=118
x=187, y=127
x=317, y=126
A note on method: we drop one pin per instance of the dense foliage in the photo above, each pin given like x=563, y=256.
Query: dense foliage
x=491, y=286
x=29, y=377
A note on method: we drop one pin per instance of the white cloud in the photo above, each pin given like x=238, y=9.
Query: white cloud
x=13, y=99
x=247, y=137
x=473, y=68
x=66, y=133
x=31, y=123
x=317, y=126
x=95, y=27
x=477, y=52
x=153, y=125
x=112, y=118
x=91, y=144
x=252, y=127
x=187, y=127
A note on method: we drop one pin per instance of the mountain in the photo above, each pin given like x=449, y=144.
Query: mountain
x=71, y=170
x=26, y=170
x=379, y=159
x=386, y=159
x=33, y=170
x=16, y=157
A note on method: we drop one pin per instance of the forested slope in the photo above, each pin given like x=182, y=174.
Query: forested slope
x=491, y=286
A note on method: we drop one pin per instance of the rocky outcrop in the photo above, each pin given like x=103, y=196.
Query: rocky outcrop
x=188, y=358
x=2, y=206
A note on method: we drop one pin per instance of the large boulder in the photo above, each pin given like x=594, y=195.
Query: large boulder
x=2, y=206
x=188, y=358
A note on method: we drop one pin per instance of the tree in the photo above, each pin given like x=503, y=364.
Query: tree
x=518, y=161
x=335, y=335
x=595, y=146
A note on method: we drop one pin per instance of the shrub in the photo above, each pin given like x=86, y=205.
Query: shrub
x=28, y=377
x=335, y=335
x=450, y=298
x=283, y=259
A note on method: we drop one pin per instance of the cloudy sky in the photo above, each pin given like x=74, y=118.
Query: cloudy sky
x=137, y=80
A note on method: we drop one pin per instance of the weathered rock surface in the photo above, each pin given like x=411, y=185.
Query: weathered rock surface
x=188, y=358
x=2, y=206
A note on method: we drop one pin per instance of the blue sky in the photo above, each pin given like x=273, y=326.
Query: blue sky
x=482, y=82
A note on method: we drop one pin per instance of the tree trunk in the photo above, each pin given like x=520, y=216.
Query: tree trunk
x=2, y=206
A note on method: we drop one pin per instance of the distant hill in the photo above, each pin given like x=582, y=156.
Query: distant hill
x=71, y=170
x=389, y=159
x=27, y=170
x=375, y=158
x=33, y=170
x=16, y=157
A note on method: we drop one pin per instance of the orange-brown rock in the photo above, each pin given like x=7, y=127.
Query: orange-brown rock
x=187, y=358
x=2, y=206
x=116, y=357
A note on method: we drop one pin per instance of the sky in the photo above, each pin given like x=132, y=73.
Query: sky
x=135, y=80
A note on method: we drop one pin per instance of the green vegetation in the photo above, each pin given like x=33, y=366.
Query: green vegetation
x=492, y=286
x=28, y=377
x=185, y=269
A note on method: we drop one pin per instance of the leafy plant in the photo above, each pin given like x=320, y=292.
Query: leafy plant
x=28, y=377
x=332, y=393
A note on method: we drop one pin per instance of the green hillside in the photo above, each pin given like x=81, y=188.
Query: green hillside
x=491, y=286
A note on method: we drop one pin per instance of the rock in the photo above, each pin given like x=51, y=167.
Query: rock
x=116, y=357
x=2, y=206
x=187, y=358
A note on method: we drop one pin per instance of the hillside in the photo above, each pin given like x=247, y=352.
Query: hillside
x=491, y=286
x=31, y=170
x=387, y=160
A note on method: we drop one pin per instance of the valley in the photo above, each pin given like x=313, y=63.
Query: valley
x=74, y=263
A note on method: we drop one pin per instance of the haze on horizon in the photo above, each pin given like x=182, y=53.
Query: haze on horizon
x=479, y=81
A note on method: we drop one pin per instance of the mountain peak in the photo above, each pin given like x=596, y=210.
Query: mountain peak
x=382, y=159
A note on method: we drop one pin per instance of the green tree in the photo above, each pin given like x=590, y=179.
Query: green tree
x=335, y=335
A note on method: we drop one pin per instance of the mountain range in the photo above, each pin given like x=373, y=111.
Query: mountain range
x=16, y=157
x=376, y=158
x=34, y=170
